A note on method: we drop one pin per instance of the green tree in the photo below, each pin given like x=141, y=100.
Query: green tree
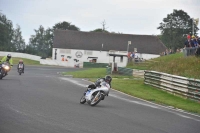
x=65, y=26
x=37, y=42
x=17, y=40
x=100, y=30
x=6, y=33
x=49, y=41
x=41, y=43
x=103, y=28
x=174, y=29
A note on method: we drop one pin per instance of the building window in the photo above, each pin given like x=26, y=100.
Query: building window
x=65, y=51
x=87, y=52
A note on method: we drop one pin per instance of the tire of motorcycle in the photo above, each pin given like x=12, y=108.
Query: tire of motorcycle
x=1, y=74
x=97, y=101
x=20, y=71
x=82, y=100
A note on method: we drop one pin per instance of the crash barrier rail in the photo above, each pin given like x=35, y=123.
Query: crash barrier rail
x=108, y=70
x=191, y=51
x=94, y=65
x=120, y=70
x=125, y=71
x=186, y=87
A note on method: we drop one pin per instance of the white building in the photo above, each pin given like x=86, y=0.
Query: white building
x=75, y=47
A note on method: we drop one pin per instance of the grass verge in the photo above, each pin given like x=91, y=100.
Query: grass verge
x=136, y=87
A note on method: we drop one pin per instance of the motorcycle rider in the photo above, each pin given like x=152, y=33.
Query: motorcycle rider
x=21, y=63
x=107, y=79
x=7, y=59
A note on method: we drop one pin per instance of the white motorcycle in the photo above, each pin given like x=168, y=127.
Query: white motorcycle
x=94, y=96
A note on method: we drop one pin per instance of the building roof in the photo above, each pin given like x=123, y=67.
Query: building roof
x=67, y=39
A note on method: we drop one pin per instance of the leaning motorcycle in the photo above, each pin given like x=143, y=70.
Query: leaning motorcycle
x=20, y=69
x=4, y=68
x=94, y=96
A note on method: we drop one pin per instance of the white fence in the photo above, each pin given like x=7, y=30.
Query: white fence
x=189, y=88
x=42, y=61
x=21, y=55
x=60, y=63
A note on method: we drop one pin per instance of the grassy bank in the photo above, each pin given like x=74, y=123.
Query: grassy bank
x=175, y=64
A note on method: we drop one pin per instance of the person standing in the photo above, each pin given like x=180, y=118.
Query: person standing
x=129, y=56
x=132, y=56
x=187, y=46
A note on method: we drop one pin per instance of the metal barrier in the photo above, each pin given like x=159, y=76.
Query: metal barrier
x=191, y=51
x=186, y=87
x=94, y=65
x=125, y=71
x=108, y=70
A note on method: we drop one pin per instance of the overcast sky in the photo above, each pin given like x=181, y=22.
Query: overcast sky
x=125, y=16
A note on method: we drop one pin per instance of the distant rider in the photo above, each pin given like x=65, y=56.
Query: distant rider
x=7, y=59
x=23, y=66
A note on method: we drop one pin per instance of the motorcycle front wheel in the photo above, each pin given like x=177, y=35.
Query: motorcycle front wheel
x=20, y=71
x=82, y=100
x=1, y=74
x=96, y=99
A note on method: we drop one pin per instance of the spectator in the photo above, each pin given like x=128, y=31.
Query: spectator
x=198, y=40
x=187, y=46
x=132, y=56
x=129, y=56
x=197, y=53
x=170, y=51
x=193, y=41
x=136, y=57
x=188, y=42
x=188, y=36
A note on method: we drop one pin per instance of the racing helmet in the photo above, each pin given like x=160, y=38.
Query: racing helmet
x=108, y=79
x=20, y=61
x=9, y=56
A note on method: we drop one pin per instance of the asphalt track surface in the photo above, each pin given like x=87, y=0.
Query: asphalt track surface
x=42, y=101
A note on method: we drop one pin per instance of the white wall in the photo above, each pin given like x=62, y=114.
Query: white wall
x=147, y=56
x=102, y=56
x=21, y=55
x=58, y=63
